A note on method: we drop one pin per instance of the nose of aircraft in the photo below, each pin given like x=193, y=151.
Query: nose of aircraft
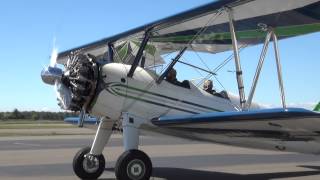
x=53, y=76
x=50, y=74
x=75, y=84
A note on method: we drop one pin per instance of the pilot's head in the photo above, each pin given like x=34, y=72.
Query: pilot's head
x=207, y=85
x=172, y=74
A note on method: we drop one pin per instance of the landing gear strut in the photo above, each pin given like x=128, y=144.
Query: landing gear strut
x=89, y=163
x=133, y=164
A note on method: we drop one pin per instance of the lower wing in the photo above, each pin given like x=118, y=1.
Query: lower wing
x=293, y=129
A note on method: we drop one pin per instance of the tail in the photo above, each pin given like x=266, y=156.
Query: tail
x=317, y=108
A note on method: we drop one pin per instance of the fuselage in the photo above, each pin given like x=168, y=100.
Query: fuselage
x=142, y=96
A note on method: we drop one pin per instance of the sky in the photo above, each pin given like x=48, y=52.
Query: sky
x=28, y=29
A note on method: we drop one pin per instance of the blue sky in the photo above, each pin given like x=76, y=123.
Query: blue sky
x=29, y=27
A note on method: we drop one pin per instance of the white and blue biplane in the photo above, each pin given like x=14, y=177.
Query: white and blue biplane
x=114, y=79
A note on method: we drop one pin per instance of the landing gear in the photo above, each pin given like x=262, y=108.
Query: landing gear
x=88, y=166
x=133, y=165
x=89, y=163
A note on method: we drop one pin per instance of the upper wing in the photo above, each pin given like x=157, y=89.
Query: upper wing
x=292, y=129
x=206, y=28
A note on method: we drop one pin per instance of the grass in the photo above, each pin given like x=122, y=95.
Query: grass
x=33, y=124
x=38, y=128
x=37, y=134
x=29, y=121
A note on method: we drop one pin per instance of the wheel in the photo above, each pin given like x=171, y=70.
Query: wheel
x=88, y=167
x=133, y=165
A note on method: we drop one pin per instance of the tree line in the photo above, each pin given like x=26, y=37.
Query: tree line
x=35, y=115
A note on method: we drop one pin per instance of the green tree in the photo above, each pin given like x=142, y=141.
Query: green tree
x=15, y=113
x=6, y=115
x=35, y=116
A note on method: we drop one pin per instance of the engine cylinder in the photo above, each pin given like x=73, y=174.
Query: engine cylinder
x=80, y=77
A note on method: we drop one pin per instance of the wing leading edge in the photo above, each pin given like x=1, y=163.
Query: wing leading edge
x=294, y=129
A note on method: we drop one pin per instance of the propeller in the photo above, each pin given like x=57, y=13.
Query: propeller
x=75, y=84
x=53, y=75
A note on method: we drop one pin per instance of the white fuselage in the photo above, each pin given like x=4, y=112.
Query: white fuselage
x=143, y=97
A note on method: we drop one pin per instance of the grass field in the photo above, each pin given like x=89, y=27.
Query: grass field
x=35, y=126
x=39, y=128
x=32, y=124
x=30, y=121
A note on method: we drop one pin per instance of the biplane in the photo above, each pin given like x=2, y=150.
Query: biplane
x=115, y=78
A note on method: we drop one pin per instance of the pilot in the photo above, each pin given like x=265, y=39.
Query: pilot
x=172, y=78
x=208, y=87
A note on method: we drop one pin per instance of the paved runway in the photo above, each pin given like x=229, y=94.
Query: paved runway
x=50, y=158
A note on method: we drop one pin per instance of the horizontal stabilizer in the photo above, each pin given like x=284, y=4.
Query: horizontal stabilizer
x=87, y=121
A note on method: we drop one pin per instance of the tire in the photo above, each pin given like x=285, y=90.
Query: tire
x=79, y=165
x=133, y=165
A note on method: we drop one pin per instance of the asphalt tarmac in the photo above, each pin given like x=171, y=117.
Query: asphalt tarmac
x=50, y=158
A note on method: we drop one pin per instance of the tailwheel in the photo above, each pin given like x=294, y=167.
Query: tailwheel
x=87, y=166
x=133, y=165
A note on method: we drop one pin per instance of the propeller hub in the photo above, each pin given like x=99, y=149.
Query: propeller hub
x=50, y=74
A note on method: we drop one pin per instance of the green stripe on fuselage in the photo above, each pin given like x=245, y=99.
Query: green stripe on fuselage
x=111, y=87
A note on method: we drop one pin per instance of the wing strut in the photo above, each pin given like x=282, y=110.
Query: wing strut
x=139, y=53
x=276, y=50
x=258, y=70
x=236, y=58
x=270, y=34
x=110, y=52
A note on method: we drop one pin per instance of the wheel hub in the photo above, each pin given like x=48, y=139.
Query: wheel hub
x=136, y=169
x=90, y=163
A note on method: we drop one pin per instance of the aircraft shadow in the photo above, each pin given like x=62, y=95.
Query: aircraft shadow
x=190, y=174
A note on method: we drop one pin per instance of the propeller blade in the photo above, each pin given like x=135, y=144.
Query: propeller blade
x=54, y=54
x=63, y=94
